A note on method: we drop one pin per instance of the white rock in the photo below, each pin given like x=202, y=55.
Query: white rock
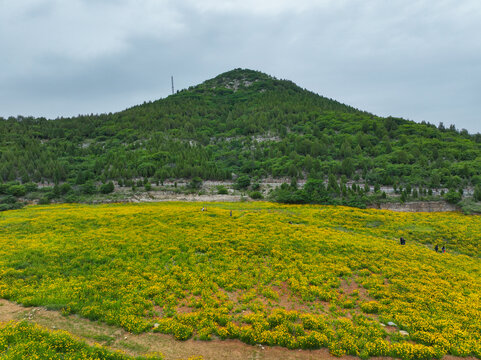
x=403, y=333
x=156, y=325
x=390, y=323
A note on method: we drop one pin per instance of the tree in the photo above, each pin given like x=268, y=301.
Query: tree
x=452, y=196
x=89, y=188
x=222, y=190
x=256, y=195
x=107, y=188
x=415, y=193
x=332, y=185
x=477, y=193
x=347, y=166
x=367, y=188
x=16, y=190
x=242, y=182
x=195, y=183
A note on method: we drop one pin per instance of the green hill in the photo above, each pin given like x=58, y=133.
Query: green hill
x=241, y=123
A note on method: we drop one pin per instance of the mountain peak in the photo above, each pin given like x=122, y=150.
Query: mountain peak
x=237, y=79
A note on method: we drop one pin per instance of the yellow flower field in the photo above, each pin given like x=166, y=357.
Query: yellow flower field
x=21, y=340
x=293, y=276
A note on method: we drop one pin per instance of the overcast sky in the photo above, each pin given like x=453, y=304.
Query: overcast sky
x=420, y=60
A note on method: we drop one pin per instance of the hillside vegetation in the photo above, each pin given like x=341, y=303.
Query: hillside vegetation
x=243, y=124
x=21, y=340
x=288, y=275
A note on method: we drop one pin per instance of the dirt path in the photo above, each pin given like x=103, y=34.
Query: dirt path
x=119, y=339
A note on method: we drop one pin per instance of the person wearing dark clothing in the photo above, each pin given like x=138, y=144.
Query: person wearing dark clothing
x=443, y=249
x=436, y=248
x=231, y=213
x=403, y=242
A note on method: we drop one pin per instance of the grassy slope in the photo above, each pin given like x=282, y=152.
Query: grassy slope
x=21, y=340
x=295, y=276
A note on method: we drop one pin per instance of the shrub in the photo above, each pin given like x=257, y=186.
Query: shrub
x=14, y=206
x=65, y=188
x=89, y=188
x=222, y=190
x=44, y=201
x=242, y=182
x=71, y=198
x=9, y=199
x=17, y=190
x=195, y=183
x=256, y=195
x=30, y=187
x=452, y=197
x=477, y=193
x=107, y=188
x=3, y=188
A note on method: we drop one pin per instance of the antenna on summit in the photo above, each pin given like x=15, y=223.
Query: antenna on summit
x=172, y=80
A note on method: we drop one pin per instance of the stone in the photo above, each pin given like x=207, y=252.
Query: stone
x=156, y=325
x=403, y=333
x=390, y=323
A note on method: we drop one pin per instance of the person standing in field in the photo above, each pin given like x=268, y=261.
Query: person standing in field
x=436, y=248
x=443, y=249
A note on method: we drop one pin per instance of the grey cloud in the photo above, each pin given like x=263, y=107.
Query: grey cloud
x=417, y=60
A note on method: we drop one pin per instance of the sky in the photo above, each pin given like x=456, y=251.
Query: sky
x=419, y=59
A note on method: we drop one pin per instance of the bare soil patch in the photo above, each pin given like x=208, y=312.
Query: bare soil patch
x=351, y=285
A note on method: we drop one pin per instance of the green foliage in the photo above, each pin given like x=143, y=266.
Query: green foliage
x=14, y=206
x=242, y=182
x=107, y=188
x=16, y=190
x=89, y=188
x=477, y=193
x=44, y=201
x=316, y=192
x=195, y=183
x=242, y=122
x=256, y=195
x=452, y=197
x=222, y=190
x=30, y=187
x=9, y=202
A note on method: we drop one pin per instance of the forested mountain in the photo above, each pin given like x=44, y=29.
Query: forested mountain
x=242, y=122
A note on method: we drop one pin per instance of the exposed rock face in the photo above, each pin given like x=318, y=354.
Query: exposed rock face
x=421, y=206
